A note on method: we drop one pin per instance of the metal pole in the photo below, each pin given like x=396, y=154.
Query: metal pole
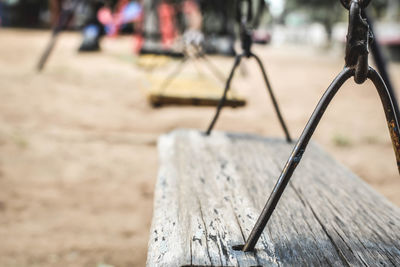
x=274, y=102
x=222, y=100
x=64, y=18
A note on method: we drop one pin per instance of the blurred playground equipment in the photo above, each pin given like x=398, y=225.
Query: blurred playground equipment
x=171, y=41
x=247, y=22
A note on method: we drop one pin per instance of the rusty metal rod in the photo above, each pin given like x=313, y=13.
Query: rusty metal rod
x=274, y=102
x=391, y=109
x=392, y=118
x=294, y=158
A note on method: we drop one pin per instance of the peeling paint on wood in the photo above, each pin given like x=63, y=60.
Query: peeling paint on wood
x=210, y=191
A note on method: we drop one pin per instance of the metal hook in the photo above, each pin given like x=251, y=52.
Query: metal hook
x=358, y=39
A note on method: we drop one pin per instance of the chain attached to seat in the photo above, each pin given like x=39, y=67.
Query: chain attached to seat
x=358, y=38
x=246, y=24
x=244, y=21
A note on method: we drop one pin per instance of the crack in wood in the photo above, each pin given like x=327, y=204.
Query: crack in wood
x=205, y=229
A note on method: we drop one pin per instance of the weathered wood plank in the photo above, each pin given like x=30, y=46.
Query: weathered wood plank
x=210, y=191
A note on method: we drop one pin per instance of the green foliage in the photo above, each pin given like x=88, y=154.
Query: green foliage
x=330, y=7
x=341, y=140
x=329, y=12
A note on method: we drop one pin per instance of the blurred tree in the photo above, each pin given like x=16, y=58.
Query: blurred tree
x=393, y=10
x=328, y=12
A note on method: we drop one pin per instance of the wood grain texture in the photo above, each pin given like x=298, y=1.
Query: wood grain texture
x=210, y=191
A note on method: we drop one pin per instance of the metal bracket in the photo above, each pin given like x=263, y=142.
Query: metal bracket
x=388, y=103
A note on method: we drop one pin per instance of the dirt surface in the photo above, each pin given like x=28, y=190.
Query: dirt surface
x=78, y=158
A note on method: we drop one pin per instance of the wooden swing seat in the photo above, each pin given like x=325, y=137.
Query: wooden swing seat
x=211, y=190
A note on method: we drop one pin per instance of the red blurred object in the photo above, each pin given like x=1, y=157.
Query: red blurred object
x=126, y=12
x=166, y=15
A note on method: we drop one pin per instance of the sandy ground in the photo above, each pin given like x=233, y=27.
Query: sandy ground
x=78, y=158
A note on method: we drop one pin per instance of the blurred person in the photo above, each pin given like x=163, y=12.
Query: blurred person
x=108, y=17
x=210, y=22
x=92, y=30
